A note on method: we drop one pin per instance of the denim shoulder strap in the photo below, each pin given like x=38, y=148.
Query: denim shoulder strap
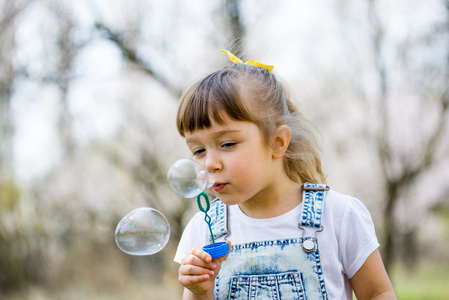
x=219, y=218
x=313, y=204
x=312, y=211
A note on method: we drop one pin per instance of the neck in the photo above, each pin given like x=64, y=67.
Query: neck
x=278, y=199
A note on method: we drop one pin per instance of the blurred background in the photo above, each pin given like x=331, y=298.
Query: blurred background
x=88, y=97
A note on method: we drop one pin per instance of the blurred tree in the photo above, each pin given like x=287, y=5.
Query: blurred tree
x=19, y=265
x=233, y=23
x=67, y=48
x=233, y=17
x=130, y=54
x=10, y=10
x=59, y=229
x=403, y=168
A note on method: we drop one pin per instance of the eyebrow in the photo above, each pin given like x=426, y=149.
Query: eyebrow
x=218, y=134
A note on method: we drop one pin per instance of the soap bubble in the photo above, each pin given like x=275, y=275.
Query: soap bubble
x=143, y=231
x=187, y=178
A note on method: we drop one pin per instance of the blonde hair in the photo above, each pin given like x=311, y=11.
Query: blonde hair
x=220, y=95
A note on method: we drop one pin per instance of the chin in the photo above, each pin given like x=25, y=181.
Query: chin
x=229, y=200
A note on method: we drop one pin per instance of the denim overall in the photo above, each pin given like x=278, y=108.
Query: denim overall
x=277, y=269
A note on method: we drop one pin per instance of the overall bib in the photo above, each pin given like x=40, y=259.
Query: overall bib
x=276, y=269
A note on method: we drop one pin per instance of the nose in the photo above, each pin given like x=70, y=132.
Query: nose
x=213, y=162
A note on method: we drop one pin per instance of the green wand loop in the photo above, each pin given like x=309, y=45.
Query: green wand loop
x=207, y=218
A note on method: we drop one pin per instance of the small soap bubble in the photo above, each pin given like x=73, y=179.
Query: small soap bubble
x=187, y=178
x=143, y=231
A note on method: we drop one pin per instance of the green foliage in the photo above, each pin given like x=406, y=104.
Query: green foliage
x=425, y=282
x=19, y=263
x=9, y=195
x=13, y=273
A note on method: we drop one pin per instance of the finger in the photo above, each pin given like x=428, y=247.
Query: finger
x=196, y=261
x=193, y=280
x=200, y=253
x=188, y=270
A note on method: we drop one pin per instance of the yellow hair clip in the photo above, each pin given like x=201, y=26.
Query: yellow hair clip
x=237, y=60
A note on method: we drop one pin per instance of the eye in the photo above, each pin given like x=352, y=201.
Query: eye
x=198, y=151
x=229, y=145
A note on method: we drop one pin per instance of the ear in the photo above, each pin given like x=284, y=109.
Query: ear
x=281, y=140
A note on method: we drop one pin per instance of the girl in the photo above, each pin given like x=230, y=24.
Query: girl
x=292, y=237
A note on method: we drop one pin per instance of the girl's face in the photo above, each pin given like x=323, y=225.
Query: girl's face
x=239, y=157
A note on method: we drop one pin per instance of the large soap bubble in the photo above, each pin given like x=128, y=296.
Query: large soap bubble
x=187, y=178
x=143, y=231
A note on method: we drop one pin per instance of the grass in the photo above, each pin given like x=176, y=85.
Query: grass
x=424, y=282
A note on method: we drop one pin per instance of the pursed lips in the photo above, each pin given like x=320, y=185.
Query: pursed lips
x=217, y=187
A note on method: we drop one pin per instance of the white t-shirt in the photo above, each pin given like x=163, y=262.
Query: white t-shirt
x=345, y=243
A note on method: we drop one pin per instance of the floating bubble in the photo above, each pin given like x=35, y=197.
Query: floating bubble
x=143, y=231
x=187, y=178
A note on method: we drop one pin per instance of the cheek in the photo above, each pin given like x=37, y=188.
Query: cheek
x=246, y=170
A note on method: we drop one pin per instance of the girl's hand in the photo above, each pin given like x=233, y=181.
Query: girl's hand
x=197, y=273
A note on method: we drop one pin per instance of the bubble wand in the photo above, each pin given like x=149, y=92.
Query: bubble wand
x=207, y=218
x=187, y=178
